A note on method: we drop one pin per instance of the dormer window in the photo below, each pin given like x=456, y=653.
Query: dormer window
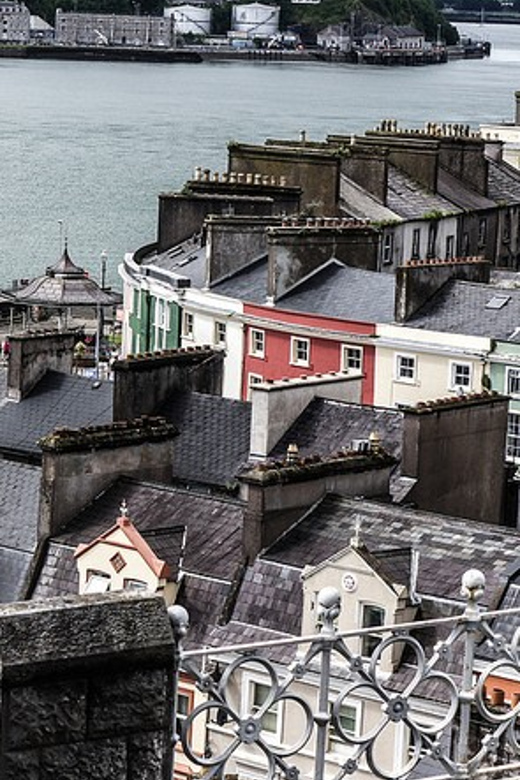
x=97, y=582
x=372, y=617
x=130, y=584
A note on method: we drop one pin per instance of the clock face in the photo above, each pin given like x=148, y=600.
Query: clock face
x=349, y=582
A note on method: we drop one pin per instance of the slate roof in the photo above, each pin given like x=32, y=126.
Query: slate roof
x=410, y=199
x=325, y=426
x=337, y=290
x=213, y=527
x=448, y=546
x=359, y=203
x=186, y=259
x=20, y=489
x=503, y=182
x=460, y=307
x=205, y=599
x=459, y=194
x=249, y=284
x=213, y=441
x=58, y=401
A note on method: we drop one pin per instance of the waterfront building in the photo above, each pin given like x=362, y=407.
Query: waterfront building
x=14, y=22
x=508, y=133
x=78, y=29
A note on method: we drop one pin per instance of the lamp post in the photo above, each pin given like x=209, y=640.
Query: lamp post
x=100, y=311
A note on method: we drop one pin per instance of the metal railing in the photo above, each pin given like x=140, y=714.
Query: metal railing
x=464, y=736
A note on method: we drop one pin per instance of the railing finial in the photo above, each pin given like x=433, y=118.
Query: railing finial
x=179, y=620
x=473, y=585
x=329, y=608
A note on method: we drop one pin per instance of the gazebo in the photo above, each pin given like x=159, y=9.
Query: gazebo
x=63, y=288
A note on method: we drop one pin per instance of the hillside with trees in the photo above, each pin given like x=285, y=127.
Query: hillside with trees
x=422, y=14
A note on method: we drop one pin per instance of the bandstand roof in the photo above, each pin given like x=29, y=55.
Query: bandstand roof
x=64, y=284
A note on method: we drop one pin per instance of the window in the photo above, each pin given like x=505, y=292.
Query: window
x=220, y=334
x=372, y=617
x=184, y=706
x=118, y=562
x=460, y=376
x=137, y=303
x=405, y=368
x=187, y=324
x=257, y=342
x=300, y=351
x=253, y=379
x=465, y=245
x=513, y=381
x=416, y=243
x=97, y=582
x=348, y=717
x=513, y=437
x=482, y=231
x=259, y=696
x=388, y=246
x=162, y=312
x=450, y=246
x=352, y=358
x=129, y=584
x=432, y=239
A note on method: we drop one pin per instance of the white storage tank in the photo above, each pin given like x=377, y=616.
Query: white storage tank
x=256, y=20
x=192, y=19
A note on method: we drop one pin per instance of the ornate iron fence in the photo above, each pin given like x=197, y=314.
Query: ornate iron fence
x=467, y=738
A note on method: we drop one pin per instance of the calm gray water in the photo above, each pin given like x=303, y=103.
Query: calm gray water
x=93, y=144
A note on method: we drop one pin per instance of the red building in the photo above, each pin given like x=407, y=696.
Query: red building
x=280, y=343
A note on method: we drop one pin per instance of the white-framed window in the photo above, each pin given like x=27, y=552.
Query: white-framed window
x=162, y=312
x=372, y=616
x=388, y=248
x=513, y=437
x=220, y=333
x=184, y=705
x=257, y=693
x=137, y=304
x=432, y=238
x=416, y=243
x=300, y=351
x=351, y=358
x=460, y=376
x=405, y=368
x=97, y=582
x=132, y=584
x=187, y=324
x=349, y=717
x=450, y=247
x=257, y=342
x=253, y=379
x=512, y=381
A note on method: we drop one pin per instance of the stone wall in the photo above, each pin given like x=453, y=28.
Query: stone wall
x=32, y=355
x=144, y=382
x=296, y=249
x=86, y=689
x=78, y=465
x=418, y=281
x=314, y=169
x=182, y=215
x=233, y=242
x=454, y=448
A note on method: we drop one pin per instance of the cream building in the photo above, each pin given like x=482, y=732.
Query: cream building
x=415, y=365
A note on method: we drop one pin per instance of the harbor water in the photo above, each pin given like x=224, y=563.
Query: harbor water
x=85, y=147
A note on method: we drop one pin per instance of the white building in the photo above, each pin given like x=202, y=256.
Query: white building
x=15, y=21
